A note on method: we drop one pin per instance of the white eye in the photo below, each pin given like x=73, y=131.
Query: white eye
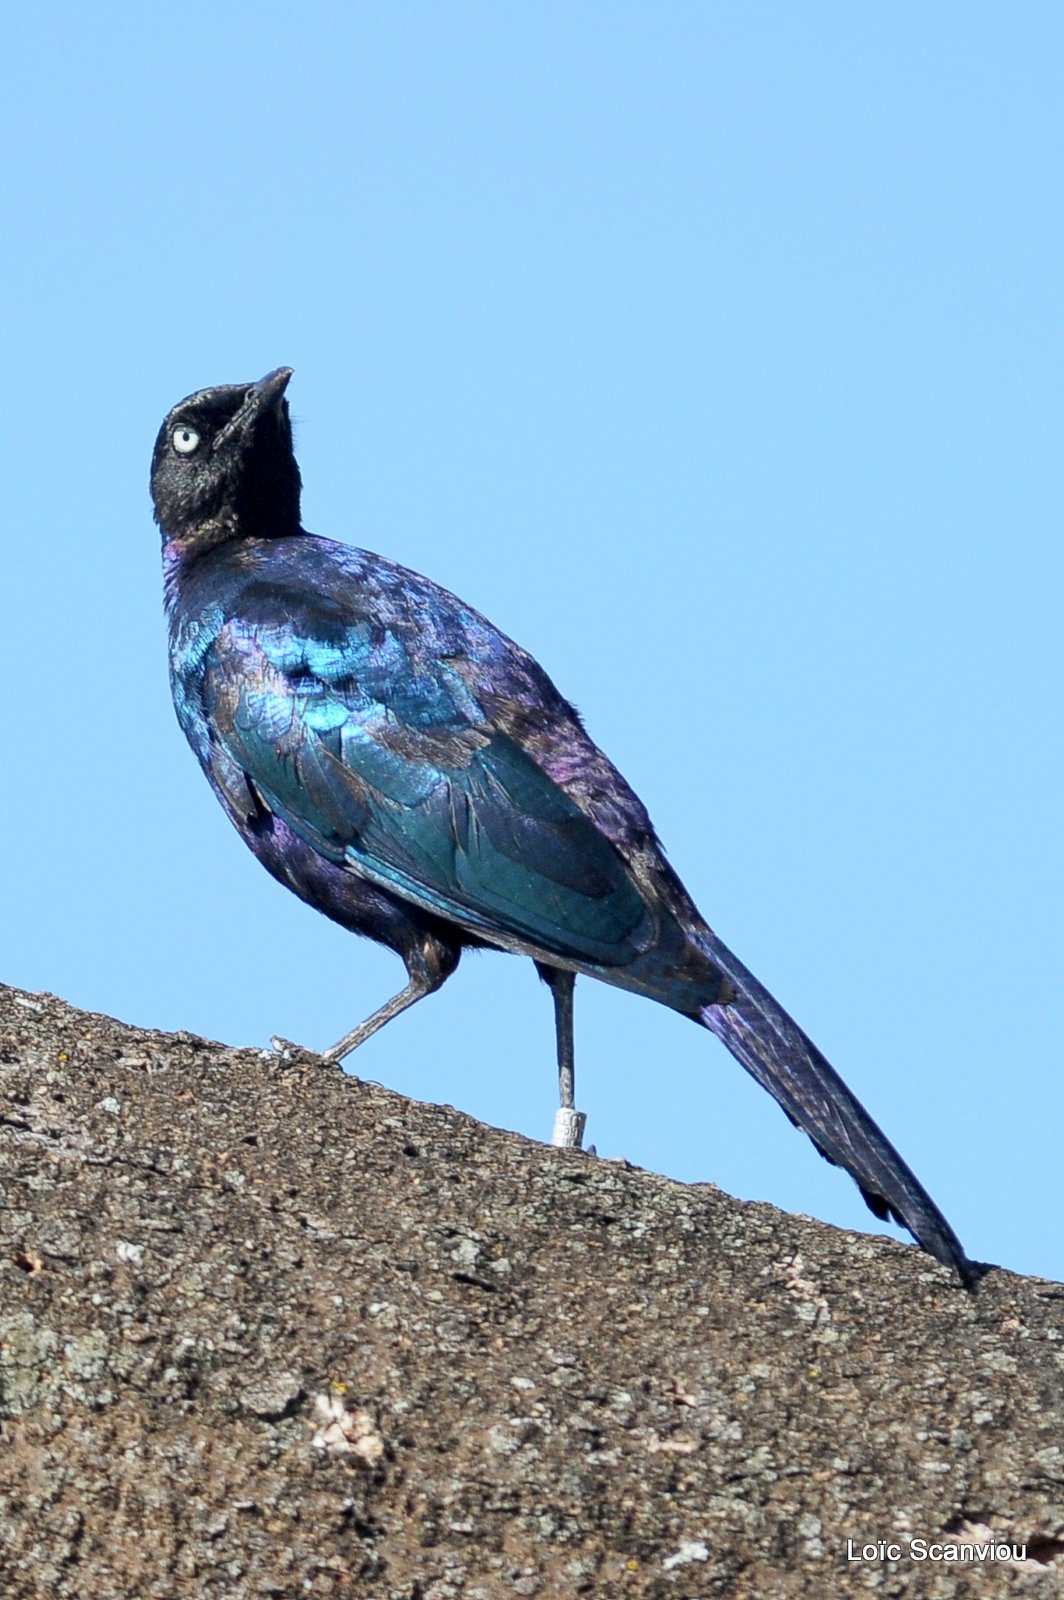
x=185, y=440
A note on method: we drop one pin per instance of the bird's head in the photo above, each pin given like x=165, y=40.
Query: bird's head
x=224, y=467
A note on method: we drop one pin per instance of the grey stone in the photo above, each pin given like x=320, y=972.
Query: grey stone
x=275, y=1331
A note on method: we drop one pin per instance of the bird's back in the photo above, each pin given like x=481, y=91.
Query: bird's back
x=401, y=735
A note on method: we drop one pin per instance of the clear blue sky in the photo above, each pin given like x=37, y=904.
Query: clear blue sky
x=712, y=350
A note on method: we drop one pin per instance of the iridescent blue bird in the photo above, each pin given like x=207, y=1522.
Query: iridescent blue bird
x=402, y=766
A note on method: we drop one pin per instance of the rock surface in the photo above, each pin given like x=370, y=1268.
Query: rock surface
x=266, y=1330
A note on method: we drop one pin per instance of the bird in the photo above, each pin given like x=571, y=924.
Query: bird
x=405, y=768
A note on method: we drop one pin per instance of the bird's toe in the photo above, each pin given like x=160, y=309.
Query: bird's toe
x=288, y=1051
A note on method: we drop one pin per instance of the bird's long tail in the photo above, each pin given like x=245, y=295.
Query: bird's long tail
x=775, y=1051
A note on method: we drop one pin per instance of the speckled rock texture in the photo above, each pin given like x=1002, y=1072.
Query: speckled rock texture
x=266, y=1330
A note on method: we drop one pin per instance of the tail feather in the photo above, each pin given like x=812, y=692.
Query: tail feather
x=775, y=1051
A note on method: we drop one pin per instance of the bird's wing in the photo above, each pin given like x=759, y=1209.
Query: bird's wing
x=396, y=774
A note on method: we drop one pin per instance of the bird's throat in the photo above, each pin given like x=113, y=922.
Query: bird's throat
x=184, y=549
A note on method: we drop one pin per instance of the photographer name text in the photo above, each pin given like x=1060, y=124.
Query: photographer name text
x=935, y=1550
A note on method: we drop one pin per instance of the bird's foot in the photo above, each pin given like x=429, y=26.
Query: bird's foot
x=289, y=1051
x=568, y=1128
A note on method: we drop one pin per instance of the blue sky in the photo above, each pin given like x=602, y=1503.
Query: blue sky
x=713, y=351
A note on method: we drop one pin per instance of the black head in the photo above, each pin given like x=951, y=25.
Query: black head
x=224, y=467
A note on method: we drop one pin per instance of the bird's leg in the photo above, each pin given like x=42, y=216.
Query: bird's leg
x=563, y=987
x=418, y=987
x=568, y=1122
x=428, y=964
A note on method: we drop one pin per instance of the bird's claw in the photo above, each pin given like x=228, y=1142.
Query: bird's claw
x=288, y=1051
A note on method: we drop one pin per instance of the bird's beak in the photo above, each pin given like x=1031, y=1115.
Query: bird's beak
x=271, y=387
x=259, y=398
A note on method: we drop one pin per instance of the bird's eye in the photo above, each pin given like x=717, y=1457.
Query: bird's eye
x=185, y=440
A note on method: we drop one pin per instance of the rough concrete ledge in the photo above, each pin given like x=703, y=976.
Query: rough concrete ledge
x=266, y=1330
